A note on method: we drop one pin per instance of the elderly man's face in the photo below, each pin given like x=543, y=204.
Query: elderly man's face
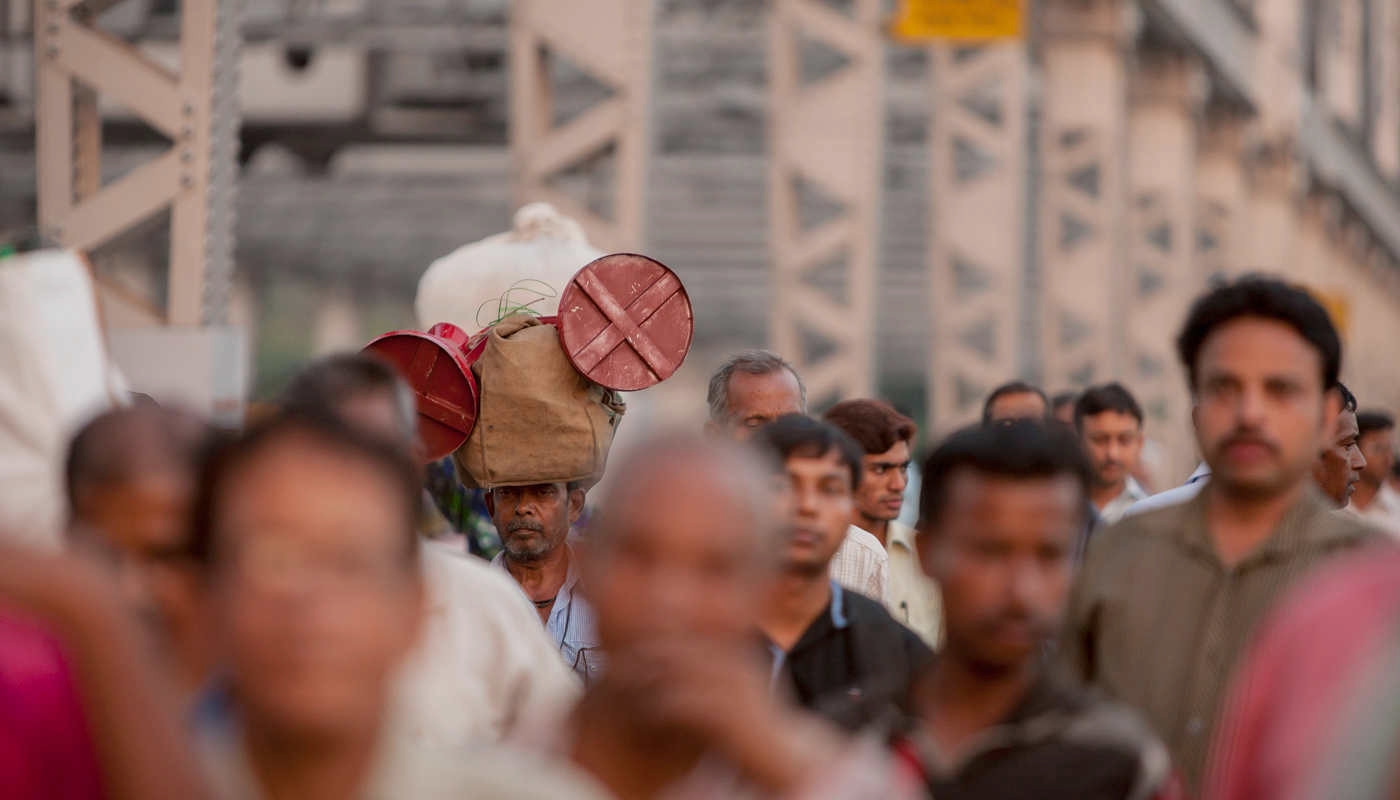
x=756, y=400
x=534, y=521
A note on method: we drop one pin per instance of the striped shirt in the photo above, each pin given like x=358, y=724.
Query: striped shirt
x=1159, y=622
x=862, y=565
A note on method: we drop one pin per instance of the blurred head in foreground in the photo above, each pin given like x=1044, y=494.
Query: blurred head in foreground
x=683, y=547
x=130, y=476
x=1000, y=508
x=306, y=526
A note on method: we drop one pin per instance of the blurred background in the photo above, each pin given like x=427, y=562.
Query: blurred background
x=919, y=199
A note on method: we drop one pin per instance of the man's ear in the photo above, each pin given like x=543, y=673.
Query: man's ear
x=577, y=498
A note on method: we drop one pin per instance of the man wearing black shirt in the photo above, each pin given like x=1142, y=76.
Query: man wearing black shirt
x=839, y=653
x=1000, y=509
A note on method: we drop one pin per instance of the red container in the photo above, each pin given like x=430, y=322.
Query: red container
x=625, y=322
x=437, y=365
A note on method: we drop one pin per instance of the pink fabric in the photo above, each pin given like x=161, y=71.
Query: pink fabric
x=1299, y=675
x=45, y=747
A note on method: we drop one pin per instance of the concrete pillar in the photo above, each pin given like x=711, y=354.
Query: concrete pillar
x=1165, y=96
x=1339, y=33
x=1082, y=139
x=977, y=194
x=1385, y=67
x=1222, y=221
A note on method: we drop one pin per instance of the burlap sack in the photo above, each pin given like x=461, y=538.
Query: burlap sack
x=540, y=421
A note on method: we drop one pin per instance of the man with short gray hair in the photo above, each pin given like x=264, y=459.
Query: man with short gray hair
x=751, y=389
x=755, y=387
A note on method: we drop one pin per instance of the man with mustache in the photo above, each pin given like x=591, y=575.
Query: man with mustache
x=1109, y=421
x=999, y=514
x=1168, y=599
x=534, y=523
x=840, y=653
x=1338, y=469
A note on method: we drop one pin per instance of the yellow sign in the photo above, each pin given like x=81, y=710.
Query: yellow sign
x=957, y=20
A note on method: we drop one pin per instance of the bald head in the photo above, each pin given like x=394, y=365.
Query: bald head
x=683, y=545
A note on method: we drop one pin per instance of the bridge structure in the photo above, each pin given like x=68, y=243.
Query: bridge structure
x=934, y=217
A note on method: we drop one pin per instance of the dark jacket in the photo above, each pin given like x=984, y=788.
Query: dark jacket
x=854, y=664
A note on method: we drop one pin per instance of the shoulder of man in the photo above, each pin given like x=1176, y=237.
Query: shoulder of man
x=870, y=617
x=865, y=540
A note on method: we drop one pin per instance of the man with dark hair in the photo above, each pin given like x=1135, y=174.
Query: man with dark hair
x=1015, y=400
x=484, y=668
x=751, y=389
x=840, y=653
x=887, y=437
x=1338, y=469
x=1109, y=421
x=130, y=479
x=1373, y=500
x=1062, y=407
x=1000, y=509
x=315, y=604
x=1168, y=599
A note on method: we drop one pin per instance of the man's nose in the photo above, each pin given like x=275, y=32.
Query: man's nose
x=900, y=481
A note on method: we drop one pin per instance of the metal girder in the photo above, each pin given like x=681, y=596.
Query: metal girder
x=1165, y=98
x=827, y=138
x=611, y=41
x=197, y=109
x=977, y=195
x=1082, y=139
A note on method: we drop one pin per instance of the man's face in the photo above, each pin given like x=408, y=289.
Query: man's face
x=317, y=599
x=1017, y=405
x=1064, y=412
x=1000, y=553
x=677, y=560
x=139, y=529
x=756, y=400
x=534, y=520
x=1114, y=443
x=1338, y=469
x=1261, y=413
x=1379, y=449
x=883, y=479
x=819, y=501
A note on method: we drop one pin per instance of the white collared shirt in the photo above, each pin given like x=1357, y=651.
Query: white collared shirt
x=862, y=565
x=1116, y=508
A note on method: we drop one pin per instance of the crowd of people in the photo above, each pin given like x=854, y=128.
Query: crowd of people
x=301, y=609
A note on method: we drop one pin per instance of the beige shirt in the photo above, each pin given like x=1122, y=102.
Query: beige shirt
x=1384, y=511
x=484, y=668
x=1159, y=623
x=862, y=565
x=913, y=596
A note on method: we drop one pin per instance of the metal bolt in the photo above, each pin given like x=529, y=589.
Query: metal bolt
x=186, y=181
x=186, y=156
x=187, y=132
x=52, y=52
x=189, y=109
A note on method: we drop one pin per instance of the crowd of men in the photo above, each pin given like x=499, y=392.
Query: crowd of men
x=287, y=612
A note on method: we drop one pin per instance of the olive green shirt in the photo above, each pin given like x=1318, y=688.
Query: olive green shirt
x=1158, y=622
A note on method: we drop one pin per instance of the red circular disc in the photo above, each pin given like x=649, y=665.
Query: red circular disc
x=442, y=379
x=625, y=322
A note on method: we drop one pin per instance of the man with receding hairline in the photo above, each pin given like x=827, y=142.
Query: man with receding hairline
x=682, y=552
x=755, y=387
